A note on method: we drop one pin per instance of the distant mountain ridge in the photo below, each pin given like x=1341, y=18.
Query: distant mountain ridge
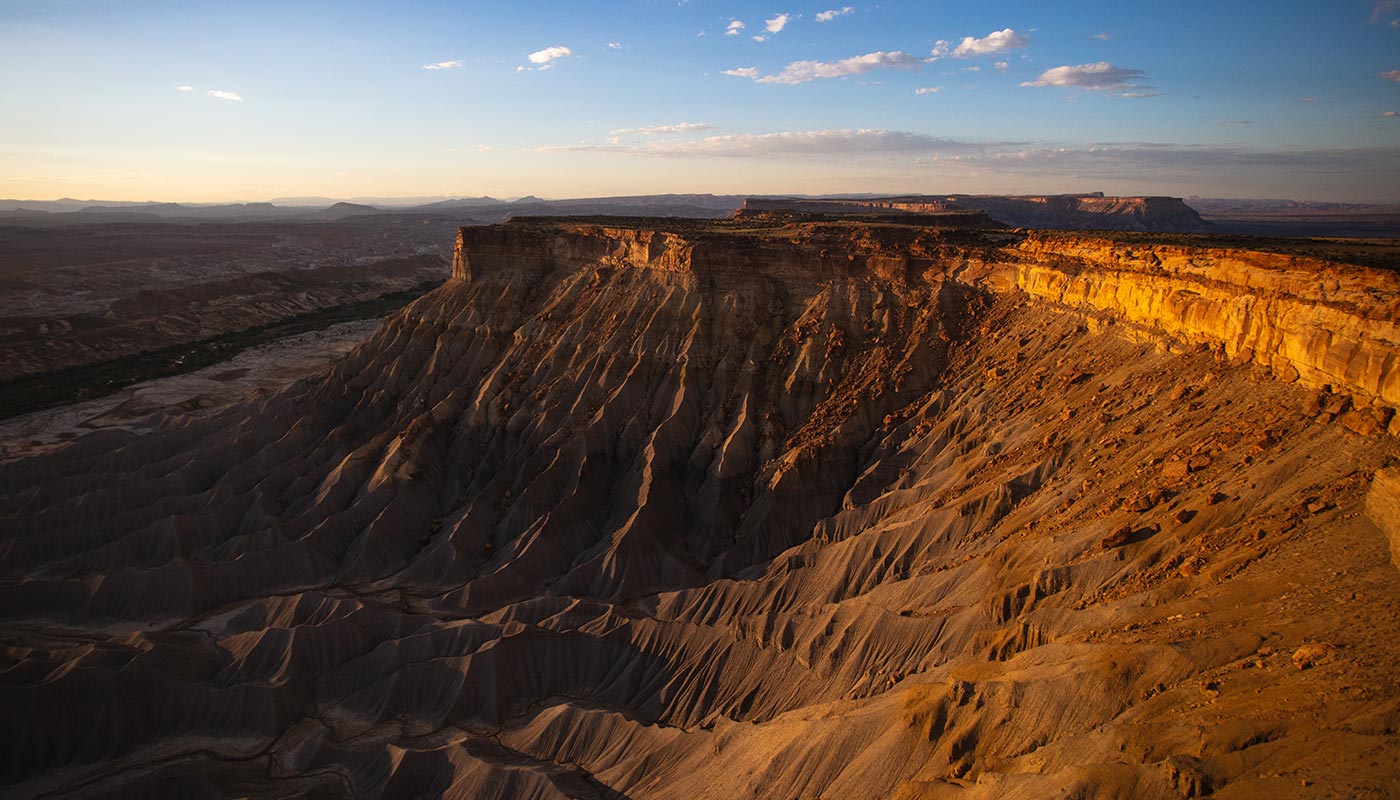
x=1090, y=210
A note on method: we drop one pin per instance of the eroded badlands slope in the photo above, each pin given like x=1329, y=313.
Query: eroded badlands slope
x=684, y=510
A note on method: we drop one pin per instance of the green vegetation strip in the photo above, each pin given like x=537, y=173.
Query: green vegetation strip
x=74, y=384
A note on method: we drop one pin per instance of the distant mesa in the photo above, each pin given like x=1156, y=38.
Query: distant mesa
x=343, y=210
x=1091, y=211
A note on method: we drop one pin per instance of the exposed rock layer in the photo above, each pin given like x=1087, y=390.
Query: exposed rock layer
x=851, y=511
x=1319, y=322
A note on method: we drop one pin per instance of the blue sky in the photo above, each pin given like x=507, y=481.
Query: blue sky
x=207, y=101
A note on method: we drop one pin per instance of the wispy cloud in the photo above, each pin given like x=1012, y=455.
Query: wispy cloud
x=994, y=42
x=183, y=88
x=549, y=54
x=827, y=16
x=788, y=143
x=1236, y=122
x=1381, y=10
x=734, y=27
x=928, y=90
x=803, y=71
x=1388, y=115
x=1391, y=75
x=614, y=45
x=776, y=24
x=1103, y=37
x=225, y=95
x=443, y=65
x=1109, y=159
x=660, y=130
x=1100, y=76
x=1002, y=66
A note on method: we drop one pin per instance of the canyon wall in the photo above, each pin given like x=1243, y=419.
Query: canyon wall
x=1323, y=324
x=1308, y=320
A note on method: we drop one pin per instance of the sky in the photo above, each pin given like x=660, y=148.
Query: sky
x=249, y=101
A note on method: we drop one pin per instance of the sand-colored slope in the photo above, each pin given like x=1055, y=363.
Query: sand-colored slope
x=578, y=524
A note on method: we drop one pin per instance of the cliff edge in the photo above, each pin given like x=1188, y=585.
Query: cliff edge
x=1324, y=324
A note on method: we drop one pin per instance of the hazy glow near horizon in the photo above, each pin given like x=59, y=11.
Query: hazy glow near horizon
x=157, y=99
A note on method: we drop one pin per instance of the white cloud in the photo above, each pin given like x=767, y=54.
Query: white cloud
x=184, y=88
x=443, y=65
x=1391, y=75
x=734, y=27
x=827, y=16
x=1002, y=66
x=549, y=54
x=1099, y=76
x=994, y=42
x=929, y=90
x=1103, y=37
x=223, y=95
x=777, y=23
x=803, y=71
x=614, y=45
x=760, y=38
x=1388, y=114
x=658, y=130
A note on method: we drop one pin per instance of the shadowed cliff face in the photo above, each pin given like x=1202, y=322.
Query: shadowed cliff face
x=849, y=511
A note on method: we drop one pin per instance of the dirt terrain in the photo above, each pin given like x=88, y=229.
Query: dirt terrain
x=151, y=406
x=1294, y=218
x=83, y=294
x=709, y=509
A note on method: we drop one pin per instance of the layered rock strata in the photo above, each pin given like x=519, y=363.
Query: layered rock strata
x=1320, y=323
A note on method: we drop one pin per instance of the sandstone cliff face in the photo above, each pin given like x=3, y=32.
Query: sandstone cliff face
x=1308, y=320
x=678, y=512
